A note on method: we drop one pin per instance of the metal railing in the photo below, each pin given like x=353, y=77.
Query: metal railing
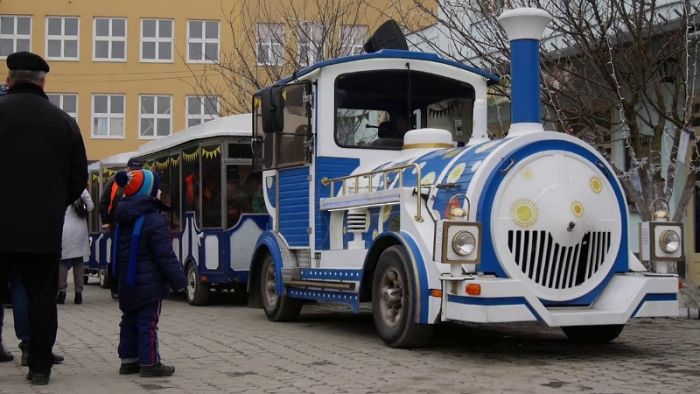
x=385, y=177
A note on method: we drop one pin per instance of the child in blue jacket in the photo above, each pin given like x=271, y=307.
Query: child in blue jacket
x=146, y=269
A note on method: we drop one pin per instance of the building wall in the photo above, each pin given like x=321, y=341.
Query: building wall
x=132, y=78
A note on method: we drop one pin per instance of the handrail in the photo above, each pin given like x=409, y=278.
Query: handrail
x=385, y=174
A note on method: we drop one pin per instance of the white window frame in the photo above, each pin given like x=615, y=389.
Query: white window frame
x=110, y=39
x=157, y=40
x=307, y=39
x=204, y=41
x=63, y=38
x=202, y=117
x=16, y=36
x=109, y=116
x=155, y=116
x=271, y=41
x=61, y=98
x=351, y=42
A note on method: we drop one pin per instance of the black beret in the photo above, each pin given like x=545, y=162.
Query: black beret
x=26, y=61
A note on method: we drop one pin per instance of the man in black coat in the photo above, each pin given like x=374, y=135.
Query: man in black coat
x=46, y=170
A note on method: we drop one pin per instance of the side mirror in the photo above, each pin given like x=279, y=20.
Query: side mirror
x=272, y=109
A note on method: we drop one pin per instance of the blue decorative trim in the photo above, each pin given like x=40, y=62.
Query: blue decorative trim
x=331, y=274
x=328, y=167
x=269, y=239
x=293, y=206
x=325, y=295
x=422, y=293
x=655, y=297
x=489, y=261
x=481, y=301
x=391, y=54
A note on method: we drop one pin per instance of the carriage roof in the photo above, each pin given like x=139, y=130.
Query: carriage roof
x=118, y=160
x=228, y=126
x=390, y=54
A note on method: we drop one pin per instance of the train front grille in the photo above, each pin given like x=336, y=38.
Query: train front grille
x=555, y=266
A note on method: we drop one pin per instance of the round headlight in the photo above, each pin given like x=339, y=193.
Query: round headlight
x=670, y=241
x=464, y=243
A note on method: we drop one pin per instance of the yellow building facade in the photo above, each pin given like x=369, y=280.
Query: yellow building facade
x=130, y=71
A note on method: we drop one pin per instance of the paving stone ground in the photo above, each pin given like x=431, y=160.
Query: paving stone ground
x=229, y=348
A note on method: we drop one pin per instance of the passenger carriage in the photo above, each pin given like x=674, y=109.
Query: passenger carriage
x=440, y=223
x=217, y=214
x=100, y=242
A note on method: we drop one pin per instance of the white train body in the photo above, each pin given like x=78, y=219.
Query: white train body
x=533, y=227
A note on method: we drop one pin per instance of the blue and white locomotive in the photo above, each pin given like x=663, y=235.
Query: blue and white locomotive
x=439, y=223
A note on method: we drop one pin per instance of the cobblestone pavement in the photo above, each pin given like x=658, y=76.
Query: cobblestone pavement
x=228, y=347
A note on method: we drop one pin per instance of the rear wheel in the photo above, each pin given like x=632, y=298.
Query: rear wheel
x=394, y=304
x=277, y=308
x=86, y=279
x=197, y=292
x=593, y=334
x=103, y=275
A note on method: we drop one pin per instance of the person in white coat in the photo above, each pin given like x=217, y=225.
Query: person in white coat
x=75, y=248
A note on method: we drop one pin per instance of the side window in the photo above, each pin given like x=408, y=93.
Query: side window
x=175, y=193
x=237, y=196
x=190, y=183
x=296, y=125
x=211, y=185
x=94, y=190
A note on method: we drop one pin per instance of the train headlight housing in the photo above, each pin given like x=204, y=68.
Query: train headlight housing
x=670, y=241
x=464, y=243
x=457, y=242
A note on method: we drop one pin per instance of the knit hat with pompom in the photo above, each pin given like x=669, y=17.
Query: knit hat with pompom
x=138, y=182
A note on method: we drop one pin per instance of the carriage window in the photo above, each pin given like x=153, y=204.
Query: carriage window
x=94, y=190
x=211, y=185
x=190, y=182
x=175, y=216
x=375, y=109
x=164, y=168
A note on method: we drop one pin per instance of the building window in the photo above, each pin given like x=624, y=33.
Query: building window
x=352, y=39
x=110, y=39
x=157, y=40
x=108, y=115
x=155, y=116
x=67, y=102
x=270, y=44
x=202, y=41
x=62, y=36
x=310, y=39
x=201, y=109
x=15, y=34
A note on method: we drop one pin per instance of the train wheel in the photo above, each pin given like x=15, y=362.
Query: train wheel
x=277, y=308
x=593, y=334
x=103, y=275
x=393, y=302
x=197, y=292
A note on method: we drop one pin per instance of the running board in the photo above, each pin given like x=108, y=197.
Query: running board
x=319, y=284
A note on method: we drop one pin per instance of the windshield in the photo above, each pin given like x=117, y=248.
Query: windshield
x=375, y=108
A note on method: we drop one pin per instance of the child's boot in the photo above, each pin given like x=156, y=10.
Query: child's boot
x=157, y=370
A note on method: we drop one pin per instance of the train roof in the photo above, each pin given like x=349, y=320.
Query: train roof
x=390, y=54
x=119, y=160
x=234, y=125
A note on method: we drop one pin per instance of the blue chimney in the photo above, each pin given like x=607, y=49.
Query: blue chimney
x=524, y=27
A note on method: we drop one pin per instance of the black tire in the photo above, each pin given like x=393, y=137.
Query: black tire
x=197, y=292
x=593, y=334
x=103, y=276
x=393, y=302
x=277, y=308
x=86, y=279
